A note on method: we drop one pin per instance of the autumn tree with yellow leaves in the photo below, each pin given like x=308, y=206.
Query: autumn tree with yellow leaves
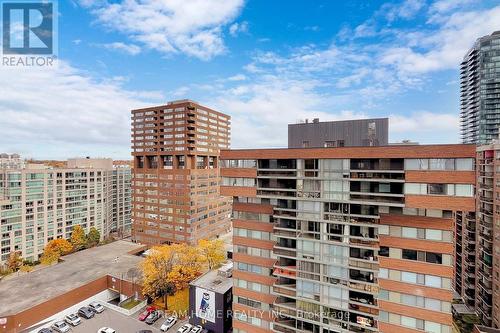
x=169, y=268
x=213, y=252
x=78, y=239
x=54, y=250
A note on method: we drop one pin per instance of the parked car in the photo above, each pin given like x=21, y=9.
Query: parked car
x=73, y=319
x=96, y=307
x=153, y=317
x=186, y=328
x=196, y=329
x=146, y=313
x=61, y=327
x=106, y=330
x=167, y=324
x=45, y=330
x=86, y=312
x=145, y=331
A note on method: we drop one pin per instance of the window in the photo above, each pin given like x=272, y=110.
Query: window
x=432, y=234
x=383, y=316
x=441, y=164
x=464, y=164
x=434, y=258
x=462, y=190
x=383, y=229
x=409, y=321
x=432, y=327
x=416, y=164
x=433, y=304
x=409, y=232
x=436, y=189
x=383, y=273
x=409, y=254
x=384, y=251
x=409, y=277
x=409, y=299
x=433, y=281
x=329, y=144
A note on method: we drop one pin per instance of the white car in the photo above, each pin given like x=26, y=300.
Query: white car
x=168, y=323
x=73, y=319
x=106, y=330
x=196, y=329
x=186, y=328
x=96, y=307
x=61, y=327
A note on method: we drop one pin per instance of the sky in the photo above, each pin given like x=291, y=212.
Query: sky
x=265, y=63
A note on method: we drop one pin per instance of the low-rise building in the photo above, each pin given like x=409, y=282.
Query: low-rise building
x=109, y=270
x=210, y=300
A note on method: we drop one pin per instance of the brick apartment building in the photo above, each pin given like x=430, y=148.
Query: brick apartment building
x=176, y=179
x=347, y=239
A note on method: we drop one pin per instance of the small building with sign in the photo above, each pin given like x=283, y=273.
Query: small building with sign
x=210, y=300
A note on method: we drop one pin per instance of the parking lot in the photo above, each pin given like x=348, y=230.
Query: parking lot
x=120, y=322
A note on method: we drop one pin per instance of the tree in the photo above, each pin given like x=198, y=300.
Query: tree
x=213, y=252
x=78, y=239
x=93, y=237
x=155, y=269
x=15, y=261
x=169, y=268
x=54, y=250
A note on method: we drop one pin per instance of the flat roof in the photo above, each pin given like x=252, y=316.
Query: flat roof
x=312, y=122
x=214, y=282
x=22, y=292
x=394, y=151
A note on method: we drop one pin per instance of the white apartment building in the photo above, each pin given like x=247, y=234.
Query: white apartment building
x=39, y=203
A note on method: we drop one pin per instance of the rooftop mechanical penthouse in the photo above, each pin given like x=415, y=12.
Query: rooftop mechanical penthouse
x=176, y=174
x=346, y=239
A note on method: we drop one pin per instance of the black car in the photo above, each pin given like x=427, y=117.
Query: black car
x=153, y=317
x=45, y=330
x=86, y=312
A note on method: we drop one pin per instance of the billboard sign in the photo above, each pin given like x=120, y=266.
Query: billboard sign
x=205, y=304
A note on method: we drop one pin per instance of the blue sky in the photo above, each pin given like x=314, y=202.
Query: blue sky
x=266, y=63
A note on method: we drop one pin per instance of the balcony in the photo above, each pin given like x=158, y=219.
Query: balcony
x=285, y=271
x=286, y=306
x=283, y=325
x=284, y=290
x=362, y=298
x=358, y=275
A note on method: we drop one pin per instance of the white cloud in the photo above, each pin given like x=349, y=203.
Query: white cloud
x=127, y=48
x=193, y=27
x=443, y=6
x=425, y=127
x=237, y=77
x=406, y=10
x=262, y=107
x=180, y=92
x=73, y=115
x=445, y=47
x=237, y=28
